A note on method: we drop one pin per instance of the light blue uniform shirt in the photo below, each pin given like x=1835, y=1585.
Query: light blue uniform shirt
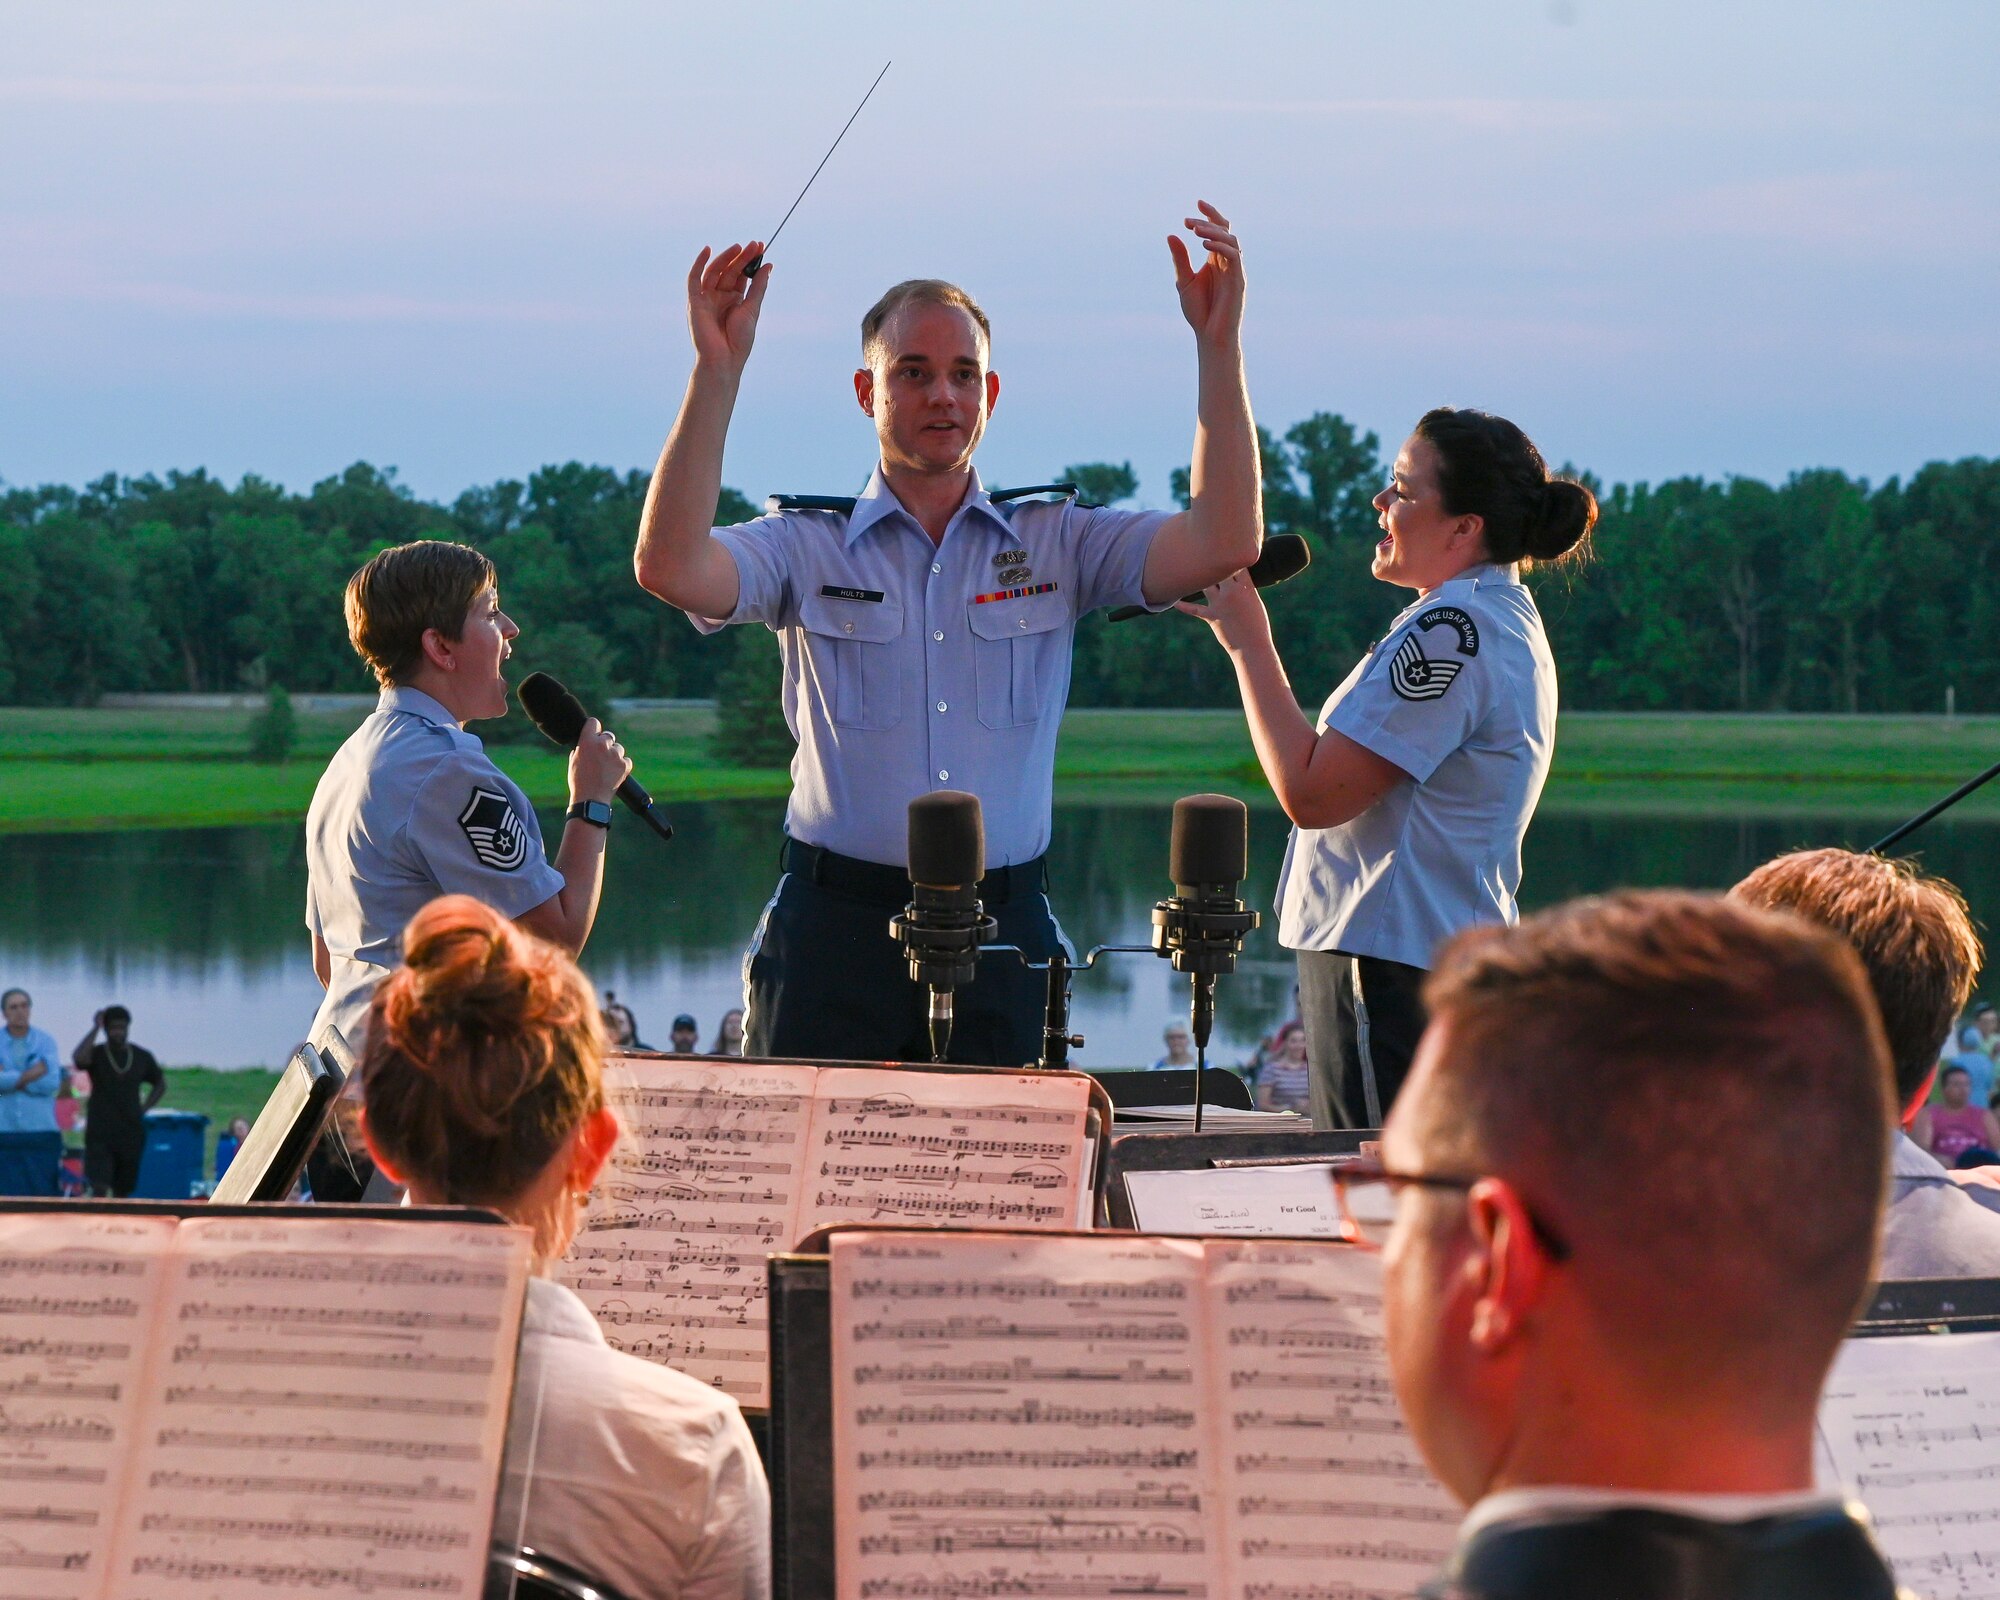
x=28, y=1108
x=911, y=667
x=1461, y=694
x=411, y=807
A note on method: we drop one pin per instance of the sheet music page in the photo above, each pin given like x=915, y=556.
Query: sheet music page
x=703, y=1185
x=1911, y=1424
x=1326, y=1496
x=1019, y=1416
x=966, y=1150
x=1292, y=1200
x=325, y=1412
x=77, y=1300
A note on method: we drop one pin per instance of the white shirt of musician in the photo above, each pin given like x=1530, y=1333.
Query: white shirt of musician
x=1460, y=693
x=642, y=1477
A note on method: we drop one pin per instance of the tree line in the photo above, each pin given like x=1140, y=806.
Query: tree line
x=1823, y=593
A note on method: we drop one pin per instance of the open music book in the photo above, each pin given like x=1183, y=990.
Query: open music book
x=725, y=1162
x=231, y=1406
x=1120, y=1413
x=1909, y=1425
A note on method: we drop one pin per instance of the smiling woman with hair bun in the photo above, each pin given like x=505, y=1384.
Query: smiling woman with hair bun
x=1412, y=792
x=482, y=1079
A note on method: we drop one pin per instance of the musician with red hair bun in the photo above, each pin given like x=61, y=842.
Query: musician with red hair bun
x=482, y=1079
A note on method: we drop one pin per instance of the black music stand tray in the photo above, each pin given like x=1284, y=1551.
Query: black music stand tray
x=270, y=1159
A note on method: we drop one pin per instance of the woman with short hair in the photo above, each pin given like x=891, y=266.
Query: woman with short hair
x=1411, y=793
x=482, y=1078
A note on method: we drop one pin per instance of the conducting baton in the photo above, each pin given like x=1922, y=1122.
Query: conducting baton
x=1897, y=835
x=750, y=267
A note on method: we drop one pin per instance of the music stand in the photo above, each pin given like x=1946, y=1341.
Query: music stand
x=272, y=1156
x=1186, y=1151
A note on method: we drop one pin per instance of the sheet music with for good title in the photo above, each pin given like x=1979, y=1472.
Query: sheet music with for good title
x=724, y=1163
x=1119, y=1414
x=295, y=1407
x=1295, y=1200
x=1910, y=1426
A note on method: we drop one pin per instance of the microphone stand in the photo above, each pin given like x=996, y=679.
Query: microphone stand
x=1057, y=1040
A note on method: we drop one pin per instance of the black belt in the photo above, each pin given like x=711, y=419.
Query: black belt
x=890, y=886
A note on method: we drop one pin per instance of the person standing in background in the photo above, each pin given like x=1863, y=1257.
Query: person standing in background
x=1180, y=1048
x=728, y=1034
x=684, y=1035
x=31, y=1072
x=114, y=1130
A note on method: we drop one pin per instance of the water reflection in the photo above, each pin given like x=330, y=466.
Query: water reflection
x=201, y=931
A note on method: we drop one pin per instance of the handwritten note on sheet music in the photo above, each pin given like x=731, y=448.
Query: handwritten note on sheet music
x=723, y=1164
x=329, y=1413
x=76, y=1308
x=1319, y=1474
x=1119, y=1414
x=1910, y=1426
x=1293, y=1200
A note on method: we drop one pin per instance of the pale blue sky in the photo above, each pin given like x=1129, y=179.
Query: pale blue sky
x=1692, y=236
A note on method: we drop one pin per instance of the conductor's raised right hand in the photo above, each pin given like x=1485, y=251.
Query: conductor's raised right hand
x=723, y=302
x=597, y=765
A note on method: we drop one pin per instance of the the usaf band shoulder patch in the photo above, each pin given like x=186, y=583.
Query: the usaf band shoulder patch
x=494, y=830
x=1416, y=676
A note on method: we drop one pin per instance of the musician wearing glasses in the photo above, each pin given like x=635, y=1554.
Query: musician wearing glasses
x=1613, y=1284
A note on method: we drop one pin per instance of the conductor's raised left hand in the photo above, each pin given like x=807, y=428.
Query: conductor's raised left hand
x=1211, y=295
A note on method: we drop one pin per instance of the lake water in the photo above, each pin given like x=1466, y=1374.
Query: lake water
x=200, y=932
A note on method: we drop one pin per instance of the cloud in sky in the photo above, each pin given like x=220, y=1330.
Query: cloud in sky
x=1701, y=236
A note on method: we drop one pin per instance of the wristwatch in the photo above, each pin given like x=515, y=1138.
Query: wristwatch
x=595, y=812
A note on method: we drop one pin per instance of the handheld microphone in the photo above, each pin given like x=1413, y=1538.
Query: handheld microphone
x=1285, y=555
x=1201, y=929
x=561, y=716
x=943, y=926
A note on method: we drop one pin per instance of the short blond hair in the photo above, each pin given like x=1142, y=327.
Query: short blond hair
x=406, y=590
x=918, y=292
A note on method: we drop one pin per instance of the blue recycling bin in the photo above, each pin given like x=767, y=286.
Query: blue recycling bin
x=175, y=1144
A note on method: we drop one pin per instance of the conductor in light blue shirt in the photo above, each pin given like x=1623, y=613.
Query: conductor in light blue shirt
x=926, y=630
x=31, y=1072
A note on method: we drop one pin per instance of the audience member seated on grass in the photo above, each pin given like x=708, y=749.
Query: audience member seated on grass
x=1957, y=1131
x=1972, y=1054
x=683, y=1036
x=1284, y=1082
x=1917, y=945
x=114, y=1129
x=1180, y=1049
x=1615, y=1280
x=482, y=1082
x=728, y=1039
x=228, y=1142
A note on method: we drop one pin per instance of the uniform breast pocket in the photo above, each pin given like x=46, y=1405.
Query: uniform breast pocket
x=1020, y=657
x=852, y=645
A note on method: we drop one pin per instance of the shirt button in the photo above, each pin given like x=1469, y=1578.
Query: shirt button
x=939, y=636
x=942, y=775
x=941, y=705
x=937, y=566
x=1024, y=622
x=848, y=626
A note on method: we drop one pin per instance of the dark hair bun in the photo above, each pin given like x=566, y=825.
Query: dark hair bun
x=1568, y=512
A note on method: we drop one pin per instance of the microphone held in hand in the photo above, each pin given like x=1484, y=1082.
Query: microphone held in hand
x=943, y=926
x=1285, y=555
x=1202, y=927
x=560, y=715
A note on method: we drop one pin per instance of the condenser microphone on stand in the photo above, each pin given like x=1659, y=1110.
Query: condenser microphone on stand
x=560, y=715
x=1201, y=929
x=1285, y=555
x=943, y=926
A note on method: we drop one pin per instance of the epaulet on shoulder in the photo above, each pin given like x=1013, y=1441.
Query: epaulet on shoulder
x=842, y=503
x=1066, y=491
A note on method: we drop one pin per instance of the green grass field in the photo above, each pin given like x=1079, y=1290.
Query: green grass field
x=88, y=770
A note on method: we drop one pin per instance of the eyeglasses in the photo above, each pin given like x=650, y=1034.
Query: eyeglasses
x=1366, y=1191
